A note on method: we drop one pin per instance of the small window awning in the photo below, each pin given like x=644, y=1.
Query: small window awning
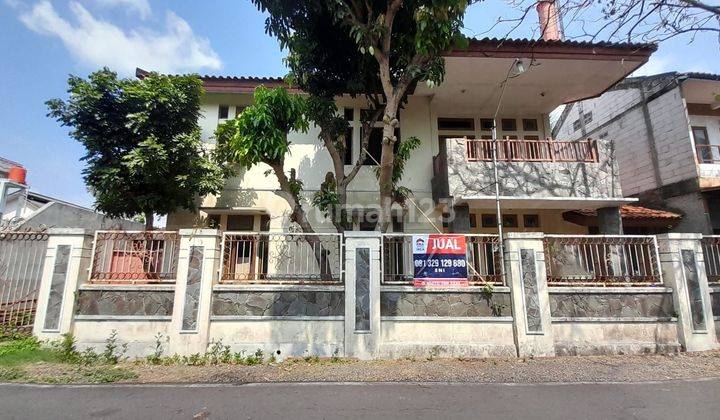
x=632, y=216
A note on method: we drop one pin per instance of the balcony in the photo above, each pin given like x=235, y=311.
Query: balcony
x=541, y=173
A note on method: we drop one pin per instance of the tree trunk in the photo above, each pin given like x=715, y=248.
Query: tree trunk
x=387, y=161
x=298, y=215
x=148, y=220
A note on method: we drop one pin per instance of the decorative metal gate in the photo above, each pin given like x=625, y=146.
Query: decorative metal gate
x=22, y=255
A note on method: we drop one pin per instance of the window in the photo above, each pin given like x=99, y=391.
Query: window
x=349, y=117
x=509, y=124
x=446, y=220
x=239, y=110
x=367, y=220
x=213, y=221
x=375, y=145
x=530, y=125
x=473, y=220
x=223, y=112
x=531, y=221
x=576, y=125
x=241, y=222
x=456, y=124
x=489, y=220
x=486, y=124
x=510, y=220
x=587, y=117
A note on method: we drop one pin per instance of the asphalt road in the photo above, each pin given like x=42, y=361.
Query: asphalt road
x=658, y=400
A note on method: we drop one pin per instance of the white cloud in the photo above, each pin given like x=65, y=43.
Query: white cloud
x=97, y=43
x=141, y=7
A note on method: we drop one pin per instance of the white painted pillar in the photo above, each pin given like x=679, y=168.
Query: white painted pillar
x=525, y=275
x=362, y=294
x=197, y=272
x=683, y=270
x=67, y=264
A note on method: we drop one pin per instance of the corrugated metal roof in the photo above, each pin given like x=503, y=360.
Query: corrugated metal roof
x=524, y=42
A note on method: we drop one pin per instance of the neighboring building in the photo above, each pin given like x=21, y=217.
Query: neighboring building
x=666, y=130
x=452, y=170
x=21, y=208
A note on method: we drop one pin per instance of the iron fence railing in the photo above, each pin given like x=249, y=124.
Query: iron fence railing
x=135, y=257
x=602, y=260
x=281, y=258
x=22, y=257
x=483, y=259
x=511, y=150
x=711, y=254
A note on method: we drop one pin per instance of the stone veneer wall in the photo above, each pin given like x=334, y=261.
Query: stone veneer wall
x=534, y=179
x=444, y=304
x=278, y=303
x=611, y=305
x=125, y=302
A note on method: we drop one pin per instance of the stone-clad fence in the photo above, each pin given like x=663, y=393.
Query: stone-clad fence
x=352, y=295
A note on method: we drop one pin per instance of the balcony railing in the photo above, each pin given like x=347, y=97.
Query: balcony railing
x=483, y=260
x=708, y=153
x=510, y=150
x=586, y=260
x=123, y=257
x=281, y=258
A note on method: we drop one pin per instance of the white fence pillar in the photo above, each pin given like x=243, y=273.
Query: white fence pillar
x=66, y=266
x=683, y=269
x=197, y=270
x=525, y=275
x=362, y=294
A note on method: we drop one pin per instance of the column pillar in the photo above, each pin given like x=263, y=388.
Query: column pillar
x=198, y=264
x=525, y=275
x=609, y=221
x=683, y=270
x=362, y=294
x=66, y=266
x=461, y=220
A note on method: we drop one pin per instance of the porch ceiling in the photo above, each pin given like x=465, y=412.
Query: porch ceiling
x=701, y=91
x=555, y=203
x=475, y=83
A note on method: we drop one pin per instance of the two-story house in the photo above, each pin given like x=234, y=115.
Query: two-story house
x=666, y=130
x=452, y=172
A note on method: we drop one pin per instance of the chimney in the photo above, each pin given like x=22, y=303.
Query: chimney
x=17, y=174
x=549, y=20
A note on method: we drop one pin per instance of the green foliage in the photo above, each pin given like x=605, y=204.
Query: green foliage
x=142, y=141
x=66, y=348
x=402, y=154
x=8, y=374
x=113, y=352
x=327, y=197
x=156, y=357
x=260, y=133
x=23, y=350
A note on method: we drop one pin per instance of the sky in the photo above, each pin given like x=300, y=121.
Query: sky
x=42, y=42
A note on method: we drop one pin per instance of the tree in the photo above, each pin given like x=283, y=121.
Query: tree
x=260, y=135
x=405, y=38
x=144, y=154
x=628, y=20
